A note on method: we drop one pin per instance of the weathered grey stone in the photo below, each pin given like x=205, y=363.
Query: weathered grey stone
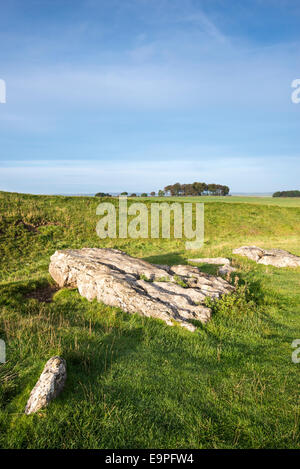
x=209, y=285
x=136, y=286
x=49, y=385
x=275, y=257
x=211, y=260
x=252, y=252
x=226, y=269
x=183, y=301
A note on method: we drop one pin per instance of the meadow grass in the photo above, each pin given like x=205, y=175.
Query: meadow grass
x=280, y=201
x=134, y=382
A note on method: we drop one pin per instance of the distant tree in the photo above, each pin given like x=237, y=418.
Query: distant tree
x=133, y=195
x=152, y=194
x=294, y=193
x=161, y=193
x=177, y=189
x=225, y=190
x=144, y=194
x=102, y=194
x=198, y=188
x=212, y=189
x=124, y=193
x=184, y=189
x=173, y=189
x=167, y=190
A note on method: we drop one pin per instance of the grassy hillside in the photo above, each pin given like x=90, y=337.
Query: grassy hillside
x=134, y=382
x=281, y=202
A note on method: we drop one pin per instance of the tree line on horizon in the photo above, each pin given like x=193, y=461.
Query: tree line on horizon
x=196, y=188
x=294, y=193
x=177, y=190
x=104, y=194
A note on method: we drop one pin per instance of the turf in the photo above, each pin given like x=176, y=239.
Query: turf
x=134, y=382
x=279, y=201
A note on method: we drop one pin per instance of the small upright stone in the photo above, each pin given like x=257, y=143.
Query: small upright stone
x=49, y=385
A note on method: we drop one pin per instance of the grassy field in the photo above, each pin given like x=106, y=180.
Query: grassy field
x=280, y=201
x=135, y=382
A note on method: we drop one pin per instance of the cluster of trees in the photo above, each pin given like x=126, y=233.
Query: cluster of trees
x=102, y=194
x=135, y=195
x=287, y=194
x=197, y=188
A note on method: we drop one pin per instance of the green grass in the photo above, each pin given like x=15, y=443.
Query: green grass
x=134, y=382
x=280, y=201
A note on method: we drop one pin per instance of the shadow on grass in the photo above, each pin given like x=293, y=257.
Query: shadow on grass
x=172, y=258
x=207, y=268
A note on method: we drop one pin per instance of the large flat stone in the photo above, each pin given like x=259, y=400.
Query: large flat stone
x=173, y=294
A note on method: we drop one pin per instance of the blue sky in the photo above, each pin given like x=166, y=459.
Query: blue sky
x=112, y=95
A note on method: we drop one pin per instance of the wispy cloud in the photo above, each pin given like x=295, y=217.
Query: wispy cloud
x=202, y=20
